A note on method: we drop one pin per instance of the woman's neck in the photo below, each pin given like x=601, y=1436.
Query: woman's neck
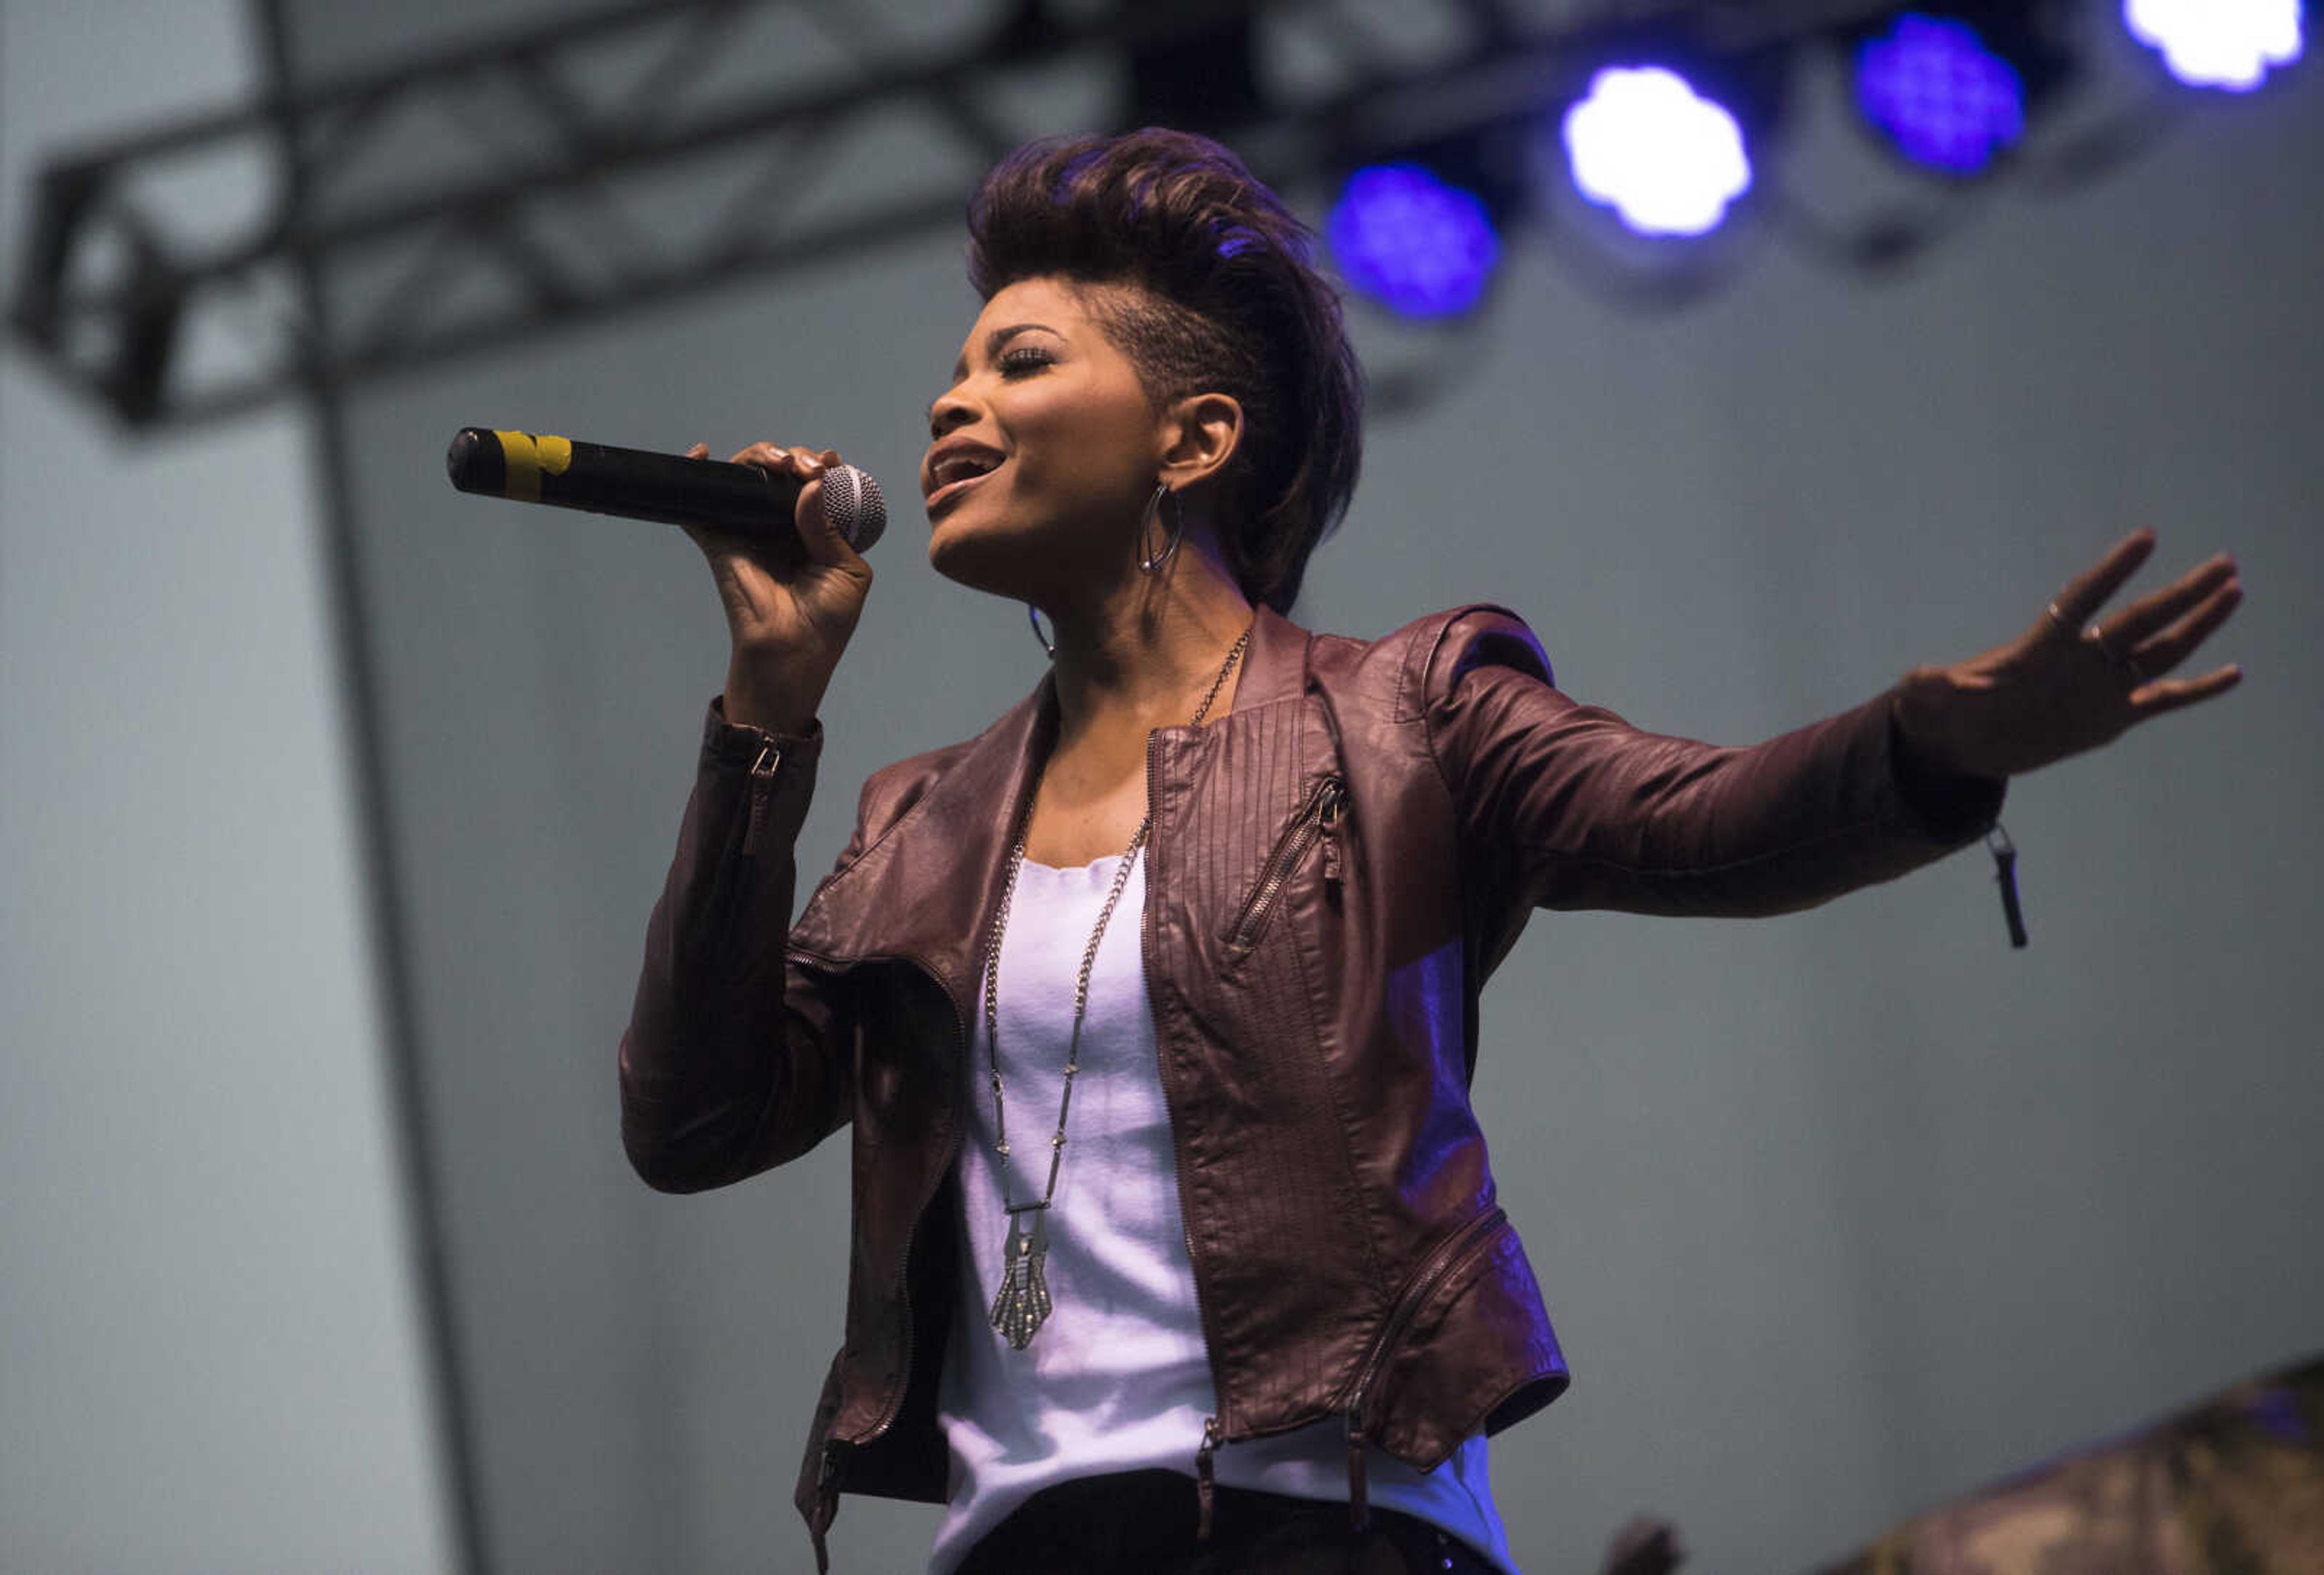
x=1144, y=655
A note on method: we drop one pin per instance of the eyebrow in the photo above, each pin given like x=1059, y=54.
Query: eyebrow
x=992, y=343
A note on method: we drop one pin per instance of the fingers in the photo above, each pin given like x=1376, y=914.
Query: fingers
x=2171, y=693
x=818, y=533
x=2167, y=649
x=2091, y=590
x=2125, y=630
x=2156, y=632
x=801, y=462
x=818, y=538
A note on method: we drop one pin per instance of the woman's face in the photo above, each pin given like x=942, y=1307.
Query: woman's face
x=1042, y=453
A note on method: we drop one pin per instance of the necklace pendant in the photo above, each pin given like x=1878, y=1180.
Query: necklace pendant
x=1022, y=1304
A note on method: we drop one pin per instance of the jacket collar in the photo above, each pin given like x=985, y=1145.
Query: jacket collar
x=925, y=889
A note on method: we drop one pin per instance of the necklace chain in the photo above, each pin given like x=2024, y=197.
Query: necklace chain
x=1023, y=1302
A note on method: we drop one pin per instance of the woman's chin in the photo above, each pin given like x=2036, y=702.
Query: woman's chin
x=1024, y=559
x=968, y=558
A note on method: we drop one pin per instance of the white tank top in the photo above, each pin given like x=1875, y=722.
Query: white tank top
x=1118, y=1379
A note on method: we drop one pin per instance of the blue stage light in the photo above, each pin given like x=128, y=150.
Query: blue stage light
x=1943, y=97
x=1421, y=247
x=2218, y=43
x=1664, y=158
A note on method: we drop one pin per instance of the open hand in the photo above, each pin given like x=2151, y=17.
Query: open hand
x=2074, y=681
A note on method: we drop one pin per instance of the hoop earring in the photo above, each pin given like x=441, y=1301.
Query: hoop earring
x=1177, y=529
x=1033, y=616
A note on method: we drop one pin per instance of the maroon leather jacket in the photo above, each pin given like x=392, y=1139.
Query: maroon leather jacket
x=1333, y=870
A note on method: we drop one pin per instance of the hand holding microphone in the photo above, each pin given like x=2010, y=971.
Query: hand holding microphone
x=791, y=608
x=783, y=530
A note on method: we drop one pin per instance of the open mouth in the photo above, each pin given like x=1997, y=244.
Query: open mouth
x=955, y=473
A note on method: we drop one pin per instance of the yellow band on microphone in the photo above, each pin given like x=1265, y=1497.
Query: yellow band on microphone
x=527, y=458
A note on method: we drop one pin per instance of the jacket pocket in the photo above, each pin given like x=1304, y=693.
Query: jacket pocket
x=1321, y=820
x=1442, y=1267
x=1454, y=1252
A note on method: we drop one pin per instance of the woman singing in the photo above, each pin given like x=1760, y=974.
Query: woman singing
x=1153, y=1006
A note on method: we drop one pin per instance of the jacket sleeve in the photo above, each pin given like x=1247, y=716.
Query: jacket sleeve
x=1567, y=806
x=734, y=1060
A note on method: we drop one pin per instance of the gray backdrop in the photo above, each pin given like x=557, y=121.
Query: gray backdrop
x=1840, y=1214
x=210, y=1357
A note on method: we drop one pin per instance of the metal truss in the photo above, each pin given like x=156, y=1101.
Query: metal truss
x=633, y=155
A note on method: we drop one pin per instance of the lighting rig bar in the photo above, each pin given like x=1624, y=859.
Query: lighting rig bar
x=521, y=220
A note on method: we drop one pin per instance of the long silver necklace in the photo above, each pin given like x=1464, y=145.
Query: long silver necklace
x=1022, y=1305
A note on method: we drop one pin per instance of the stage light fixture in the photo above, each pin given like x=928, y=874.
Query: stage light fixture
x=1667, y=159
x=1940, y=94
x=1200, y=77
x=2218, y=43
x=1415, y=243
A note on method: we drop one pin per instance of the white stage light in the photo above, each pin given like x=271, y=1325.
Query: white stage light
x=1667, y=159
x=2218, y=43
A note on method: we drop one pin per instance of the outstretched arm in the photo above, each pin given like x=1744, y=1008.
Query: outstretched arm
x=1568, y=806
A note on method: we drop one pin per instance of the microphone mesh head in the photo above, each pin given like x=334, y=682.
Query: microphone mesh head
x=852, y=504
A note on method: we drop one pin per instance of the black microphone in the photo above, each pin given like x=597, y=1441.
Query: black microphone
x=670, y=488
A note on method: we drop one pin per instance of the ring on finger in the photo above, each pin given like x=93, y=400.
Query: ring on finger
x=2096, y=637
x=2127, y=661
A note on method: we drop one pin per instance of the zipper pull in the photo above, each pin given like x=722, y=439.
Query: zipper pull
x=1336, y=810
x=1360, y=1509
x=763, y=788
x=1205, y=1477
x=2005, y=867
x=826, y=1509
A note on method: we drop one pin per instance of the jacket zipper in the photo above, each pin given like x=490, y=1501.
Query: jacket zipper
x=911, y=1235
x=827, y=1472
x=1205, y=1479
x=763, y=792
x=1326, y=808
x=1206, y=1485
x=827, y=1510
x=1451, y=1253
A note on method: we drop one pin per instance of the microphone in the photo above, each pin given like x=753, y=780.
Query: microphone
x=669, y=488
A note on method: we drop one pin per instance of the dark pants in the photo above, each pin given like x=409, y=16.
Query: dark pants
x=1144, y=1522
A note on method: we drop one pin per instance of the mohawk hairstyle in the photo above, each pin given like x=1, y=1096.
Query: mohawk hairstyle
x=1228, y=300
